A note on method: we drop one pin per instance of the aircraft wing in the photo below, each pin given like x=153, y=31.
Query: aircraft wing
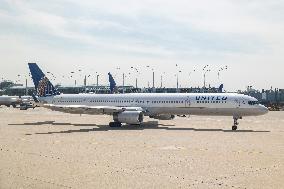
x=83, y=109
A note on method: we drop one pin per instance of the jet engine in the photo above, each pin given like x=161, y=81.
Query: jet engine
x=129, y=117
x=163, y=117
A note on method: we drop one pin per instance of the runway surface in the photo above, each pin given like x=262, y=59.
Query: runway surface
x=45, y=149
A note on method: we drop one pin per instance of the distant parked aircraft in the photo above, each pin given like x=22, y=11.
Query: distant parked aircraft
x=10, y=101
x=112, y=84
x=24, y=102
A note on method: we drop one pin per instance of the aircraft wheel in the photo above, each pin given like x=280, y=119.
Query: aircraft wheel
x=115, y=124
x=234, y=127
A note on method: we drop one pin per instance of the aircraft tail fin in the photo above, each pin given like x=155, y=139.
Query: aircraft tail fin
x=42, y=84
x=112, y=83
x=220, y=89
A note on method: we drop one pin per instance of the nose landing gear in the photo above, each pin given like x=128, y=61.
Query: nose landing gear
x=236, y=123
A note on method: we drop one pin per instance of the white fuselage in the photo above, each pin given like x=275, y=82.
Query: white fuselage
x=223, y=104
x=9, y=100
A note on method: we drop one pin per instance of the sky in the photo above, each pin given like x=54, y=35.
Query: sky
x=168, y=37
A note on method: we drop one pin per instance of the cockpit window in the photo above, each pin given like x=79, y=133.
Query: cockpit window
x=253, y=102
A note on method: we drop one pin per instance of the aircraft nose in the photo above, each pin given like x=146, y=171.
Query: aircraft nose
x=263, y=109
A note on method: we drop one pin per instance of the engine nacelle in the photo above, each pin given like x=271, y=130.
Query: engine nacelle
x=129, y=117
x=163, y=117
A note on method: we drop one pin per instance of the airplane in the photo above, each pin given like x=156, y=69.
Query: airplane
x=131, y=108
x=10, y=101
x=25, y=102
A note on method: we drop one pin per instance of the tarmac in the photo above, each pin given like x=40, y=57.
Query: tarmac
x=45, y=149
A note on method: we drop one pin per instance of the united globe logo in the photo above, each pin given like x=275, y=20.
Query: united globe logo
x=43, y=86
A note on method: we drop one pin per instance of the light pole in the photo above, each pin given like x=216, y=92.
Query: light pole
x=117, y=71
x=26, y=90
x=136, y=83
x=204, y=77
x=153, y=79
x=153, y=75
x=220, y=70
x=204, y=70
x=189, y=76
x=26, y=82
x=177, y=80
x=74, y=78
x=80, y=76
x=177, y=76
x=178, y=71
x=97, y=80
x=123, y=79
x=85, y=82
x=162, y=79
x=136, y=79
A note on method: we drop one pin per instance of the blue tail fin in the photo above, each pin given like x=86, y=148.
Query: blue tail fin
x=42, y=84
x=220, y=89
x=112, y=83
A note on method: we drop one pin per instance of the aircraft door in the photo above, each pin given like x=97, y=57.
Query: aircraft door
x=135, y=102
x=187, y=102
x=238, y=103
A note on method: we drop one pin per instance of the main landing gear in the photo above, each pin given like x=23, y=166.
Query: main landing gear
x=236, y=123
x=115, y=124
